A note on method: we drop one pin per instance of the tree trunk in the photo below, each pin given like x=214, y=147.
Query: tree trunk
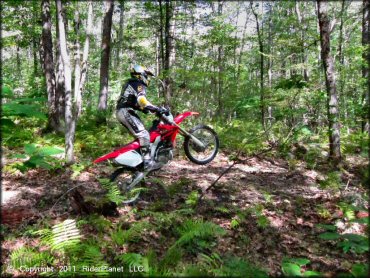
x=367, y=56
x=157, y=55
x=77, y=92
x=47, y=45
x=69, y=113
x=365, y=68
x=220, y=69
x=105, y=46
x=84, y=59
x=120, y=33
x=19, y=69
x=260, y=44
x=35, y=39
x=161, y=31
x=241, y=49
x=332, y=99
x=341, y=73
x=59, y=76
x=169, y=53
x=303, y=40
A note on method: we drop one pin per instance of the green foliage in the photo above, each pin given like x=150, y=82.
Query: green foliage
x=22, y=110
x=196, y=234
x=99, y=223
x=257, y=211
x=30, y=257
x=230, y=135
x=113, y=194
x=360, y=270
x=237, y=267
x=332, y=181
x=192, y=199
x=62, y=236
x=234, y=223
x=295, y=81
x=323, y=211
x=38, y=157
x=348, y=210
x=134, y=260
x=348, y=242
x=119, y=236
x=292, y=267
x=356, y=243
x=177, y=186
x=77, y=168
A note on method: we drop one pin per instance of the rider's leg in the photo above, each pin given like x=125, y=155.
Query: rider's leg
x=131, y=120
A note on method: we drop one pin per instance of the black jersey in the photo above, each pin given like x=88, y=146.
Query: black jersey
x=130, y=93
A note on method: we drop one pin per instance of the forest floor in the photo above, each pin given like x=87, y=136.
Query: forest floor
x=269, y=209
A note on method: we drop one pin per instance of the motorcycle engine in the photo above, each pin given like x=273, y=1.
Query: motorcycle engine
x=163, y=155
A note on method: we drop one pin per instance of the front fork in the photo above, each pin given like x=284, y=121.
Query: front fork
x=183, y=132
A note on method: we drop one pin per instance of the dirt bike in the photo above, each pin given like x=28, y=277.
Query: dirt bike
x=201, y=146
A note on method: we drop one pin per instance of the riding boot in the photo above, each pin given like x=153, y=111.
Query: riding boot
x=149, y=163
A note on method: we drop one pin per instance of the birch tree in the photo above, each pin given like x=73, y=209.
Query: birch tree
x=69, y=117
x=105, y=54
x=332, y=98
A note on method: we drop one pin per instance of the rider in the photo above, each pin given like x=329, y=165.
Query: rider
x=133, y=98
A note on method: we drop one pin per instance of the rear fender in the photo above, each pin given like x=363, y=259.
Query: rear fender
x=129, y=147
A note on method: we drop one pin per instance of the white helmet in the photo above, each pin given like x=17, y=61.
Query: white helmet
x=141, y=73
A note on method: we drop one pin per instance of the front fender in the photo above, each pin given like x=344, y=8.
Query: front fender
x=179, y=118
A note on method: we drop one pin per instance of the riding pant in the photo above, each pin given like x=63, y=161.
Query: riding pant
x=129, y=118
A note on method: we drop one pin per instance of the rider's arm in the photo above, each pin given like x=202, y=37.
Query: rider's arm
x=144, y=103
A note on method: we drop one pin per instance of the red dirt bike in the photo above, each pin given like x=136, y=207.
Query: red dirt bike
x=201, y=146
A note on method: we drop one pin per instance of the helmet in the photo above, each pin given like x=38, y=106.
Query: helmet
x=141, y=73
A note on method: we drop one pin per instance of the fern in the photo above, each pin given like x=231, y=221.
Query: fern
x=192, y=199
x=192, y=230
x=30, y=257
x=85, y=255
x=100, y=223
x=62, y=236
x=236, y=267
x=172, y=257
x=115, y=195
x=132, y=259
x=118, y=236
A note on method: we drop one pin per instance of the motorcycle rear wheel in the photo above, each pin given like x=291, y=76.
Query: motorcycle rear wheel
x=123, y=178
x=209, y=138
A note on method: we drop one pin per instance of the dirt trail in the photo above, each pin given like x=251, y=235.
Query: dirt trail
x=288, y=200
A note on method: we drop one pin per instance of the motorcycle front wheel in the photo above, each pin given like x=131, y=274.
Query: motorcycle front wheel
x=124, y=178
x=209, y=138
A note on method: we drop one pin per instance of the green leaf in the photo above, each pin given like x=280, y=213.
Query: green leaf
x=6, y=92
x=30, y=149
x=329, y=236
x=364, y=220
x=18, y=155
x=41, y=99
x=311, y=273
x=50, y=151
x=360, y=270
x=327, y=227
x=39, y=161
x=290, y=269
x=234, y=223
x=7, y=122
x=16, y=109
x=299, y=261
x=354, y=237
